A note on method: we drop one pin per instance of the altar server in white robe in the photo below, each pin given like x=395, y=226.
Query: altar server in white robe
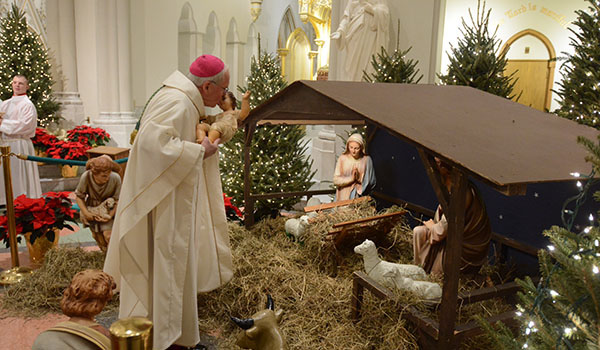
x=169, y=239
x=17, y=127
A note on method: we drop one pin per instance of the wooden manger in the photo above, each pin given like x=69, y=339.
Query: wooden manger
x=479, y=135
x=338, y=204
x=351, y=233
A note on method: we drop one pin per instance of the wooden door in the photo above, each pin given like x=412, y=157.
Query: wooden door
x=533, y=82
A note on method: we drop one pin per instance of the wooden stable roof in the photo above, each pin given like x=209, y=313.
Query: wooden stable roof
x=499, y=141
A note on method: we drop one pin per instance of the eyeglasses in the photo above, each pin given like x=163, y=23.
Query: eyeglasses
x=225, y=90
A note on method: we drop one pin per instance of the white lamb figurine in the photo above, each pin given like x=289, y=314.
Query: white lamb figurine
x=296, y=227
x=385, y=272
x=394, y=275
x=103, y=209
x=375, y=267
x=425, y=290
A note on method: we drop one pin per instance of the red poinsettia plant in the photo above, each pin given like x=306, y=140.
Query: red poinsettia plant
x=39, y=216
x=93, y=137
x=71, y=150
x=232, y=212
x=43, y=139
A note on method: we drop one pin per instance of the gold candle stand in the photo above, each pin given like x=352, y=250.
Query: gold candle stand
x=132, y=333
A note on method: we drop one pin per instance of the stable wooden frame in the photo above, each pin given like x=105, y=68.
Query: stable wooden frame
x=429, y=329
x=469, y=112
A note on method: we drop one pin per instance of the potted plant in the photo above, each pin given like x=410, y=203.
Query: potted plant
x=93, y=137
x=42, y=141
x=69, y=150
x=39, y=220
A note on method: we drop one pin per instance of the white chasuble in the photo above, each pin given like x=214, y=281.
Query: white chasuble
x=169, y=241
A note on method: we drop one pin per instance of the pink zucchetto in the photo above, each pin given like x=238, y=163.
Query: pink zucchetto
x=206, y=66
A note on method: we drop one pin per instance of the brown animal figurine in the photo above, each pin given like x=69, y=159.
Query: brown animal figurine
x=261, y=331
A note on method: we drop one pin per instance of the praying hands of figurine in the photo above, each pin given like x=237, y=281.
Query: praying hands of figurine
x=429, y=224
x=356, y=175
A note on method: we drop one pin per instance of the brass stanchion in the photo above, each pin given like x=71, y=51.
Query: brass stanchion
x=132, y=333
x=16, y=273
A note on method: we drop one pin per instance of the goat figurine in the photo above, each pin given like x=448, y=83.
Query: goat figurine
x=261, y=331
x=399, y=276
x=296, y=227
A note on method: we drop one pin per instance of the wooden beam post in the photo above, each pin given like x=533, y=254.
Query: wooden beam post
x=453, y=203
x=452, y=259
x=248, y=200
x=435, y=179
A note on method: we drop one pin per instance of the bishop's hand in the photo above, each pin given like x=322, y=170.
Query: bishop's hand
x=210, y=148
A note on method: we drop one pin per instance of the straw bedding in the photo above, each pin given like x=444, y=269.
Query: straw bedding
x=298, y=275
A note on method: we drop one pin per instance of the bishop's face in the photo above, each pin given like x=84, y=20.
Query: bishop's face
x=212, y=91
x=19, y=85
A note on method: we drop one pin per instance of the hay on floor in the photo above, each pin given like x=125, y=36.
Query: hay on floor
x=316, y=305
x=40, y=293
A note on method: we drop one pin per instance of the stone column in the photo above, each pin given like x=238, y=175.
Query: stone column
x=282, y=55
x=114, y=73
x=61, y=40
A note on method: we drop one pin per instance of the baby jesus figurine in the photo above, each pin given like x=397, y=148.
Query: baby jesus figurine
x=97, y=195
x=83, y=299
x=225, y=124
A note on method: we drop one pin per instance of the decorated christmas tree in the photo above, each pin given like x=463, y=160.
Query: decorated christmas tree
x=579, y=90
x=562, y=311
x=475, y=60
x=278, y=162
x=394, y=68
x=22, y=52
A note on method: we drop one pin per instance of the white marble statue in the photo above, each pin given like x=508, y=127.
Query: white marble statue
x=363, y=30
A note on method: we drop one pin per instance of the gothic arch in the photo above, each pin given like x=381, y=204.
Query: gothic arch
x=212, y=39
x=186, y=38
x=550, y=65
x=251, y=48
x=299, y=61
x=234, y=55
x=544, y=39
x=286, y=27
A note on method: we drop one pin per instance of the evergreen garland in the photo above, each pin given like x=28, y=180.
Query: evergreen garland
x=475, y=61
x=579, y=90
x=562, y=311
x=394, y=68
x=21, y=52
x=277, y=156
